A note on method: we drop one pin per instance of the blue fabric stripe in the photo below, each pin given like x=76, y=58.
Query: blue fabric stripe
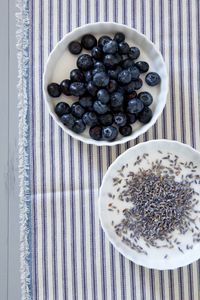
x=171, y=284
x=142, y=283
x=171, y=74
x=90, y=154
x=102, y=235
x=82, y=223
x=161, y=280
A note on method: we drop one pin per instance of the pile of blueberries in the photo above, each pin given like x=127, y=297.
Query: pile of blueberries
x=105, y=83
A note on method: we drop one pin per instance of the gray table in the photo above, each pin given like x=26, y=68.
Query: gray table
x=9, y=228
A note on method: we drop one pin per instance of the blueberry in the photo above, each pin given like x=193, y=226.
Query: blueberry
x=127, y=63
x=146, y=98
x=90, y=118
x=130, y=87
x=116, y=99
x=62, y=108
x=79, y=126
x=85, y=62
x=135, y=73
x=110, y=47
x=98, y=67
x=76, y=75
x=77, y=110
x=97, y=53
x=124, y=77
x=131, y=118
x=124, y=57
x=86, y=102
x=121, y=90
x=135, y=106
x=75, y=47
x=101, y=79
x=91, y=88
x=134, y=52
x=54, y=89
x=100, y=108
x=65, y=85
x=131, y=96
x=120, y=119
x=103, y=40
x=106, y=119
x=143, y=66
x=77, y=88
x=152, y=78
x=119, y=37
x=95, y=133
x=125, y=130
x=123, y=48
x=68, y=120
x=118, y=58
x=88, y=41
x=109, y=133
x=113, y=74
x=112, y=86
x=145, y=116
x=103, y=96
x=138, y=83
x=88, y=75
x=111, y=61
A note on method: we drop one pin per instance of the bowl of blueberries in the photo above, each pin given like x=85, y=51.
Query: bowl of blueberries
x=105, y=83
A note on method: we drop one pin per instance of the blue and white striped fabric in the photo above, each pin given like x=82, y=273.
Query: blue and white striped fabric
x=64, y=252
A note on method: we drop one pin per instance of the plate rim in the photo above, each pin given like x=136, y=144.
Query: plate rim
x=171, y=266
x=140, y=131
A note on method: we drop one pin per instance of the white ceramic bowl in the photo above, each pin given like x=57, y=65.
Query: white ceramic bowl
x=61, y=62
x=155, y=258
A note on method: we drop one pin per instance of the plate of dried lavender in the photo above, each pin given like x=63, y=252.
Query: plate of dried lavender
x=149, y=204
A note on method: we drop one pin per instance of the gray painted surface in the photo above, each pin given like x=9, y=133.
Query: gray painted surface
x=9, y=203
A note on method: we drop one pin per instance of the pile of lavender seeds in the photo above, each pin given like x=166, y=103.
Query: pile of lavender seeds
x=160, y=204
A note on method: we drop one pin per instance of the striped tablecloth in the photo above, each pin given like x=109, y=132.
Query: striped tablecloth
x=64, y=252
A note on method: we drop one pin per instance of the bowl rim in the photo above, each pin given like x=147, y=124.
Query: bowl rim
x=195, y=256
x=141, y=130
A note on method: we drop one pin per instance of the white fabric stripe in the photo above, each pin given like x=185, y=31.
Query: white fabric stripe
x=167, y=45
x=195, y=285
x=166, y=285
x=39, y=250
x=157, y=41
x=68, y=223
x=77, y=217
x=58, y=219
x=49, y=247
x=176, y=287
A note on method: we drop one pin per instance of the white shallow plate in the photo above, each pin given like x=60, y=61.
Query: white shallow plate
x=155, y=258
x=61, y=62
